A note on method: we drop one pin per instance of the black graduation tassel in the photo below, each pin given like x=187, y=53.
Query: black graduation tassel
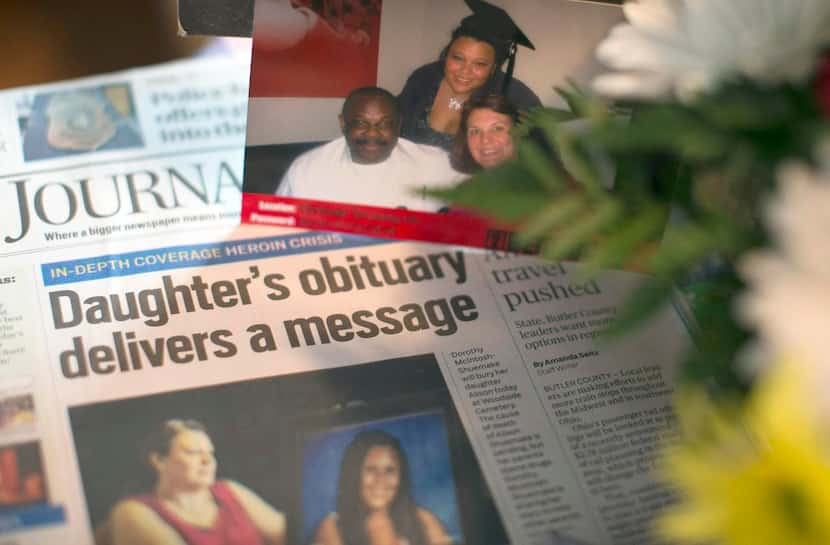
x=508, y=74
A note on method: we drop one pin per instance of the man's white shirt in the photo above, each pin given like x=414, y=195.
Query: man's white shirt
x=327, y=173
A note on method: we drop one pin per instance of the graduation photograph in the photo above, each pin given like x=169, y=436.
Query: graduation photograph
x=372, y=103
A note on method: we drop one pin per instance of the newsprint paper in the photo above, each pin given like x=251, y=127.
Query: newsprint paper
x=287, y=346
x=307, y=382
x=126, y=154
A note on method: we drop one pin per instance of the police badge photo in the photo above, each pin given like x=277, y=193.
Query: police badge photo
x=79, y=121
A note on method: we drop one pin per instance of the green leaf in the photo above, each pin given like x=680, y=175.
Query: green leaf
x=576, y=101
x=719, y=338
x=536, y=115
x=634, y=180
x=665, y=129
x=577, y=162
x=539, y=166
x=549, y=129
x=729, y=189
x=620, y=247
x=744, y=106
x=562, y=244
x=582, y=103
x=685, y=246
x=556, y=212
x=506, y=193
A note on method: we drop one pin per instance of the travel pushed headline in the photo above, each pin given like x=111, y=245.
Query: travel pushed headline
x=132, y=349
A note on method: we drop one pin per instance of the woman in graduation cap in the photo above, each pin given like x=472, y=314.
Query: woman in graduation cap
x=470, y=66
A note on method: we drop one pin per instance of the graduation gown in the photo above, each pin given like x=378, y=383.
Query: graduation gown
x=419, y=93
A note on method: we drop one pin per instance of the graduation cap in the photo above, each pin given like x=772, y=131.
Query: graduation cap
x=495, y=23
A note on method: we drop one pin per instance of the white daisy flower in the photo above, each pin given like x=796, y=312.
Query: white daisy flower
x=683, y=47
x=788, y=299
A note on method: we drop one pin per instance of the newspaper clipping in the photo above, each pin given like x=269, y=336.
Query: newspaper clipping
x=285, y=366
x=168, y=377
x=124, y=155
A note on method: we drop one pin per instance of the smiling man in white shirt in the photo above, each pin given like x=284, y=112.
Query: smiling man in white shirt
x=370, y=164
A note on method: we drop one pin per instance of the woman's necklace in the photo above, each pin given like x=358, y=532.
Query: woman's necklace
x=455, y=104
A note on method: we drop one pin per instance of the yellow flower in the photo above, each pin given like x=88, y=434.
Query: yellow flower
x=752, y=475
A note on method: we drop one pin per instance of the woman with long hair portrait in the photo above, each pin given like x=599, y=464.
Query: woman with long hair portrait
x=375, y=505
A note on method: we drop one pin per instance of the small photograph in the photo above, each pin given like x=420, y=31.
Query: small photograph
x=17, y=413
x=394, y=473
x=314, y=48
x=24, y=490
x=79, y=121
x=22, y=479
x=294, y=459
x=184, y=499
x=452, y=79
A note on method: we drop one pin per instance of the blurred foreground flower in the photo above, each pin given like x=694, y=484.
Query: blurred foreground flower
x=683, y=47
x=788, y=299
x=754, y=475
